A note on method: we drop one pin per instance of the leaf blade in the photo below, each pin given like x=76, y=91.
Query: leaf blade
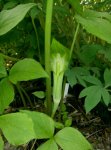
x=10, y=18
x=26, y=69
x=73, y=139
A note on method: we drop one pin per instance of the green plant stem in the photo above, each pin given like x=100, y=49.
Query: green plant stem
x=33, y=144
x=8, y=57
x=74, y=40
x=28, y=98
x=37, y=39
x=49, y=9
x=21, y=94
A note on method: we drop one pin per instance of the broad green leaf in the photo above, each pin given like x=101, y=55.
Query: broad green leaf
x=17, y=128
x=6, y=94
x=1, y=143
x=70, y=138
x=10, y=18
x=43, y=124
x=93, y=80
x=76, y=74
x=95, y=14
x=76, y=5
x=97, y=26
x=107, y=77
x=26, y=69
x=49, y=145
x=105, y=96
x=93, y=96
x=39, y=94
x=3, y=72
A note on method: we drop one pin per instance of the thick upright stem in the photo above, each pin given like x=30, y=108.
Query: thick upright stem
x=49, y=9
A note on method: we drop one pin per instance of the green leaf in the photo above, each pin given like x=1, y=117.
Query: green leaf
x=3, y=72
x=88, y=53
x=39, y=94
x=107, y=77
x=96, y=26
x=59, y=125
x=26, y=69
x=106, y=96
x=70, y=138
x=43, y=124
x=10, y=5
x=10, y=18
x=17, y=128
x=1, y=143
x=95, y=14
x=6, y=94
x=93, y=80
x=49, y=145
x=93, y=96
x=76, y=5
x=76, y=74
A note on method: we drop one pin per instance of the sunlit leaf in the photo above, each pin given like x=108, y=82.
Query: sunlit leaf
x=26, y=69
x=70, y=138
x=6, y=94
x=43, y=124
x=17, y=128
x=10, y=18
x=97, y=26
x=49, y=145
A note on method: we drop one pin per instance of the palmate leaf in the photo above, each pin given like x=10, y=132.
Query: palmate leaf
x=107, y=77
x=105, y=96
x=93, y=95
x=10, y=18
x=76, y=74
x=70, y=138
x=96, y=25
x=26, y=69
x=92, y=80
x=49, y=145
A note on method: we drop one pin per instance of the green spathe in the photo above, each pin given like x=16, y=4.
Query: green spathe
x=59, y=63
